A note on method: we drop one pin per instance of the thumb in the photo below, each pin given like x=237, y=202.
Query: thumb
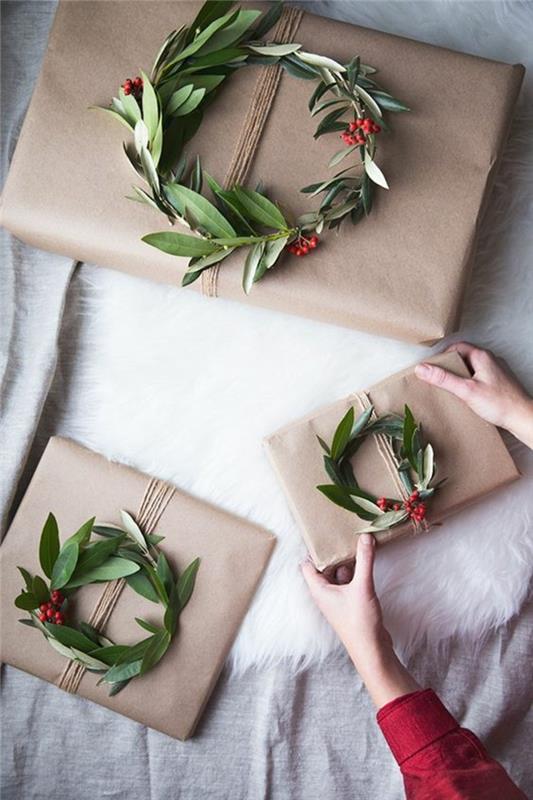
x=314, y=579
x=437, y=376
x=364, y=564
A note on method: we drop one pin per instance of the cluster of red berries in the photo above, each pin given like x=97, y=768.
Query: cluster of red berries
x=134, y=87
x=302, y=246
x=415, y=508
x=51, y=611
x=356, y=130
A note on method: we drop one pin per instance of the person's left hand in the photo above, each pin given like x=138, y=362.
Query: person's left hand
x=352, y=609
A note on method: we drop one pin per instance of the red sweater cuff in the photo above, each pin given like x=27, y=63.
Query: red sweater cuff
x=413, y=722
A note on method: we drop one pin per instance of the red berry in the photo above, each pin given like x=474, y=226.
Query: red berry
x=138, y=81
x=43, y=607
x=414, y=495
x=376, y=129
x=352, y=127
x=360, y=139
x=313, y=241
x=305, y=249
x=49, y=613
x=49, y=604
x=358, y=122
x=299, y=251
x=42, y=617
x=396, y=506
x=59, y=621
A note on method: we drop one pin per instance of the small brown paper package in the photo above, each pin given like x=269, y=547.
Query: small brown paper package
x=69, y=177
x=76, y=484
x=469, y=453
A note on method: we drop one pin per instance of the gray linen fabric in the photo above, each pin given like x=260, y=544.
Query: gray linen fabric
x=266, y=734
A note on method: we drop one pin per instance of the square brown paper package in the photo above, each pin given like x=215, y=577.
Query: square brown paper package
x=66, y=188
x=76, y=484
x=469, y=453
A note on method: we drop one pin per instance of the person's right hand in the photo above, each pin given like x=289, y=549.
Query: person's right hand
x=492, y=392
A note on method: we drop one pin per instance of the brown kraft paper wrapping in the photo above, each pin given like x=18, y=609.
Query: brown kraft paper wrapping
x=468, y=451
x=76, y=484
x=66, y=188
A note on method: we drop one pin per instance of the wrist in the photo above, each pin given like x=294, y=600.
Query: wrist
x=383, y=674
x=520, y=421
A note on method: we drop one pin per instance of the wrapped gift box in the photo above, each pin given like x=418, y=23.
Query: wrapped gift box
x=469, y=453
x=76, y=484
x=69, y=177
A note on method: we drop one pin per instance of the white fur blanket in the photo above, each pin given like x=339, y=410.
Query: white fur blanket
x=185, y=388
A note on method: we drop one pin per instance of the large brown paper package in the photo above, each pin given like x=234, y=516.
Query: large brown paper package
x=401, y=272
x=76, y=484
x=469, y=453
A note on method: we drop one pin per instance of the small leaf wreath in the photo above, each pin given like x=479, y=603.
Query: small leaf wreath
x=123, y=552
x=415, y=462
x=165, y=110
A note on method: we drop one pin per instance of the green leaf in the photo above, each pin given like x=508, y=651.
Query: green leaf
x=180, y=244
x=108, y=530
x=323, y=445
x=147, y=625
x=122, y=672
x=28, y=580
x=385, y=521
x=251, y=265
x=366, y=193
x=114, y=114
x=170, y=619
x=149, y=168
x=141, y=583
x=178, y=98
x=199, y=40
x=96, y=554
x=112, y=569
x=155, y=651
x=131, y=107
x=338, y=157
x=49, y=545
x=232, y=33
x=429, y=466
x=260, y=208
x=361, y=422
x=326, y=124
x=342, y=435
x=207, y=215
x=70, y=637
x=189, y=105
x=26, y=601
x=274, y=50
x=40, y=590
x=207, y=82
x=185, y=584
x=321, y=61
x=387, y=102
x=90, y=662
x=409, y=426
x=66, y=652
x=368, y=101
x=91, y=632
x=198, y=264
x=164, y=572
x=82, y=536
x=209, y=12
x=374, y=172
x=150, y=106
x=133, y=530
x=369, y=506
x=341, y=497
x=109, y=655
x=65, y=564
x=273, y=250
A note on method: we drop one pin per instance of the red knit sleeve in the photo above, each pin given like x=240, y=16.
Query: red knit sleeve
x=440, y=760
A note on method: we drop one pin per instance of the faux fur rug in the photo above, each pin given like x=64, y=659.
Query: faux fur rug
x=185, y=388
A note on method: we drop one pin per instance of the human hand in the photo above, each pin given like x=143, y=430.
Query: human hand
x=354, y=612
x=493, y=392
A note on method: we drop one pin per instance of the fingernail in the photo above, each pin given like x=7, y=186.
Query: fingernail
x=367, y=538
x=423, y=370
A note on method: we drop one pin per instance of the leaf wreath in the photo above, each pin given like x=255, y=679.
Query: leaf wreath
x=123, y=552
x=165, y=110
x=415, y=462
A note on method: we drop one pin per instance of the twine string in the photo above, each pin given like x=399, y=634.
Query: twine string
x=156, y=498
x=254, y=122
